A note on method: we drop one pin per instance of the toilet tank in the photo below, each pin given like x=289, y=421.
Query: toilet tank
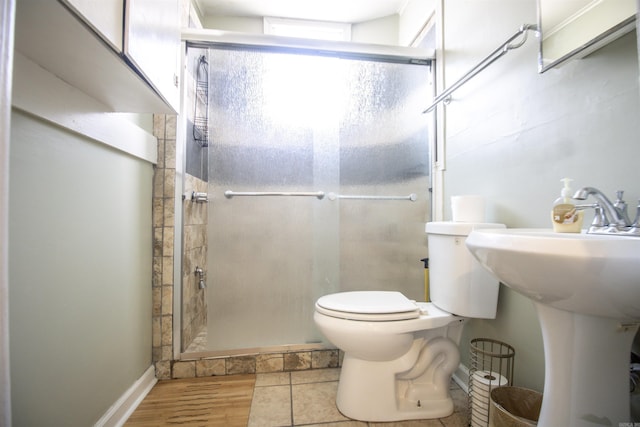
x=457, y=281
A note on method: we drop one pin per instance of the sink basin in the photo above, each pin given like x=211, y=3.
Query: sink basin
x=583, y=273
x=586, y=291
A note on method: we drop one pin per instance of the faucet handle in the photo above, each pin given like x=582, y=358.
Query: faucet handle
x=637, y=218
x=620, y=204
x=621, y=207
x=599, y=217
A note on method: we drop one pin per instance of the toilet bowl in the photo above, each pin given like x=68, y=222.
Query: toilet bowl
x=399, y=354
x=394, y=362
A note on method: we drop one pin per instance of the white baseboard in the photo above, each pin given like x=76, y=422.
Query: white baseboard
x=461, y=377
x=129, y=401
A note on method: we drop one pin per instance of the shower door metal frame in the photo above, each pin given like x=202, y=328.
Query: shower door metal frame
x=231, y=40
x=383, y=53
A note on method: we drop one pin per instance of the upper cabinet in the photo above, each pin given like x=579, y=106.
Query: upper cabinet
x=103, y=16
x=152, y=43
x=126, y=59
x=572, y=29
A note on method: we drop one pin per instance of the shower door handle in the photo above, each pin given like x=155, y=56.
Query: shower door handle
x=229, y=194
x=333, y=196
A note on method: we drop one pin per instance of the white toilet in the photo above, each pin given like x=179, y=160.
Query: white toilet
x=399, y=354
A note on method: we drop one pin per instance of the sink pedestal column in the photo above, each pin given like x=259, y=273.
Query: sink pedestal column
x=586, y=379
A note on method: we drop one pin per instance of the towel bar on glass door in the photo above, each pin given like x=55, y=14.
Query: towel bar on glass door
x=411, y=197
x=229, y=194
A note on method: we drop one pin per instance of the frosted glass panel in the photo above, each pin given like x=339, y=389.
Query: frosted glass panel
x=384, y=150
x=283, y=122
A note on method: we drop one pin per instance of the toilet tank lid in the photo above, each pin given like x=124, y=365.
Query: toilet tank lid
x=368, y=302
x=458, y=228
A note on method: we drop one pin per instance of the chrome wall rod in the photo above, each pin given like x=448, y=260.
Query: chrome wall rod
x=411, y=197
x=229, y=194
x=490, y=59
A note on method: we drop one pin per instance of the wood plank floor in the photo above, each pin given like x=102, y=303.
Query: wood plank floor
x=211, y=401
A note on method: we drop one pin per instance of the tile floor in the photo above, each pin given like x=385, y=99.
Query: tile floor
x=307, y=398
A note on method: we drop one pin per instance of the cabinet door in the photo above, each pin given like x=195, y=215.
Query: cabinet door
x=152, y=44
x=103, y=16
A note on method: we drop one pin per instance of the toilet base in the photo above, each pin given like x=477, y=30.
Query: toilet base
x=394, y=390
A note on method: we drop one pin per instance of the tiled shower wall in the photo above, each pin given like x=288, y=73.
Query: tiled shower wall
x=164, y=128
x=194, y=253
x=195, y=241
x=194, y=302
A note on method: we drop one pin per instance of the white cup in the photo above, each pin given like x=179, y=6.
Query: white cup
x=467, y=208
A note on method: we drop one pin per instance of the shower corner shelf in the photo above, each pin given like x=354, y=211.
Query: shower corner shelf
x=201, y=103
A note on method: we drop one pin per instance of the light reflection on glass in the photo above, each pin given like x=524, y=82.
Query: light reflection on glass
x=303, y=91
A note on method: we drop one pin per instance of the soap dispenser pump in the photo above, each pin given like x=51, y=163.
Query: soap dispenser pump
x=564, y=215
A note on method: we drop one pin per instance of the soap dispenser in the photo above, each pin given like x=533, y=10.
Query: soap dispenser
x=564, y=215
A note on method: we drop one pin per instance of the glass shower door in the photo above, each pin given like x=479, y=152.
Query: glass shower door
x=317, y=128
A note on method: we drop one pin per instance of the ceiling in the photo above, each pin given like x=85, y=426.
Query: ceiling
x=352, y=11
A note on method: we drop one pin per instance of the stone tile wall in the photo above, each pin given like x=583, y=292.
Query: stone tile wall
x=256, y=363
x=194, y=302
x=164, y=128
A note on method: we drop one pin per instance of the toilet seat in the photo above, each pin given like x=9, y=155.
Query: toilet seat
x=372, y=306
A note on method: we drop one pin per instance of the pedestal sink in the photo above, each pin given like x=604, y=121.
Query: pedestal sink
x=586, y=290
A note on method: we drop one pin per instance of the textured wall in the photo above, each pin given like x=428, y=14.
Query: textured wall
x=512, y=134
x=80, y=274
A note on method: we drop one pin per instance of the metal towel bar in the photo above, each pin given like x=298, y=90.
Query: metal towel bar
x=490, y=59
x=411, y=197
x=319, y=194
x=229, y=194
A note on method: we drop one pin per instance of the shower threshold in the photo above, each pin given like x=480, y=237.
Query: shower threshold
x=198, y=349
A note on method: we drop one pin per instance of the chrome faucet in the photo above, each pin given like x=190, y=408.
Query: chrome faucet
x=635, y=225
x=611, y=218
x=201, y=277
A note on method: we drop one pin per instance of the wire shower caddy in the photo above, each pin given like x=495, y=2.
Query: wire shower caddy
x=492, y=364
x=201, y=103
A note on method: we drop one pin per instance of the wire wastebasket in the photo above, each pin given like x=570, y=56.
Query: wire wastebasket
x=491, y=366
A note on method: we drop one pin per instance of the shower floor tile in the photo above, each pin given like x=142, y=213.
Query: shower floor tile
x=199, y=343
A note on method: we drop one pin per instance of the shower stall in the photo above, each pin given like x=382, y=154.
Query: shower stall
x=316, y=165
